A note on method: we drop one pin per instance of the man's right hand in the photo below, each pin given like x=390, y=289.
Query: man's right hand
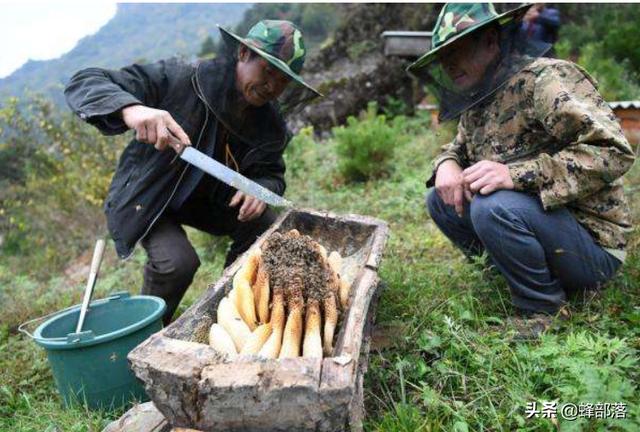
x=154, y=126
x=532, y=13
x=450, y=185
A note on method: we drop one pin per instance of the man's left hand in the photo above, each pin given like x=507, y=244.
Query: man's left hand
x=251, y=207
x=486, y=177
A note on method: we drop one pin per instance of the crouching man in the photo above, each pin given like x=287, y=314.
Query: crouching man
x=532, y=176
x=230, y=108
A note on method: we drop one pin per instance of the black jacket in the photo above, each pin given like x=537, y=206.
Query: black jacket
x=147, y=180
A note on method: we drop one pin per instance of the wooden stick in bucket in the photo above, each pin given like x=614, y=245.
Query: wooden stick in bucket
x=93, y=275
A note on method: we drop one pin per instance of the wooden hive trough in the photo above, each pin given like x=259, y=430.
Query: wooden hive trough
x=193, y=386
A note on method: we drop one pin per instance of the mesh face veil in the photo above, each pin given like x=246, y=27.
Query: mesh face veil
x=279, y=43
x=515, y=52
x=282, y=45
x=471, y=22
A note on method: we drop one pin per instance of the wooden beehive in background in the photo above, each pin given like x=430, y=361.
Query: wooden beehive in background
x=410, y=44
x=628, y=112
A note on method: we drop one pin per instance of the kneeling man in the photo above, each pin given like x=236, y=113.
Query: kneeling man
x=532, y=176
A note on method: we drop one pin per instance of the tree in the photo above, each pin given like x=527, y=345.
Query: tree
x=318, y=19
x=208, y=48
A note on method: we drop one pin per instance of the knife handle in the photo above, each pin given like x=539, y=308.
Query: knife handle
x=176, y=144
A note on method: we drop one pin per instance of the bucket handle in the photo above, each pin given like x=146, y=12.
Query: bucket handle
x=22, y=328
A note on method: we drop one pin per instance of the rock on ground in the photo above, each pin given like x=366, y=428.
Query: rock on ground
x=141, y=418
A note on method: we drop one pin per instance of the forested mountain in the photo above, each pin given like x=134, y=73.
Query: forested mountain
x=317, y=21
x=138, y=32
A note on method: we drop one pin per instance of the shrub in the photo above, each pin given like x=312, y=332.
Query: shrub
x=615, y=82
x=365, y=145
x=610, y=53
x=299, y=144
x=394, y=107
x=358, y=49
x=50, y=209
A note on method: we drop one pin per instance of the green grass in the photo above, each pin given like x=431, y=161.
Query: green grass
x=453, y=364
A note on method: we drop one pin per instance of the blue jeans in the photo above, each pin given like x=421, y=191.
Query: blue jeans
x=546, y=256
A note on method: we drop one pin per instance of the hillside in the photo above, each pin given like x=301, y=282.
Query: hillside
x=444, y=357
x=138, y=32
x=446, y=353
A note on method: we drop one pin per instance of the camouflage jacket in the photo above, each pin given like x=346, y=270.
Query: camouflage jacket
x=561, y=141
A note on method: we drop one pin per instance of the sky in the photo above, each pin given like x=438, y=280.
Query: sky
x=43, y=30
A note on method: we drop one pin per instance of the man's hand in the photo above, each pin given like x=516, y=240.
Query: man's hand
x=450, y=185
x=532, y=13
x=251, y=207
x=154, y=126
x=487, y=176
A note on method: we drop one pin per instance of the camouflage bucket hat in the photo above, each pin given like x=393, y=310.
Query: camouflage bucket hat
x=278, y=42
x=458, y=20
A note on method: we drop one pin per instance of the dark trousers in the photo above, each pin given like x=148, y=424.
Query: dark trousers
x=545, y=256
x=171, y=259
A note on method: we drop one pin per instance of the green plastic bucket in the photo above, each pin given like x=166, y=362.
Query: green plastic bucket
x=91, y=367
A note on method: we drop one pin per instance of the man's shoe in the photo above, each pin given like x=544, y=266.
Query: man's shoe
x=531, y=325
